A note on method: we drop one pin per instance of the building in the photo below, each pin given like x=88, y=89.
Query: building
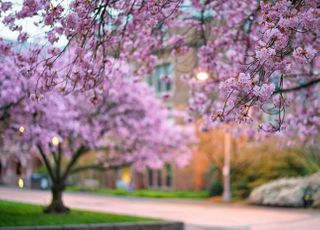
x=17, y=169
x=193, y=177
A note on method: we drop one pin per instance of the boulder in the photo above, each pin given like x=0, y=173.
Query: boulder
x=288, y=192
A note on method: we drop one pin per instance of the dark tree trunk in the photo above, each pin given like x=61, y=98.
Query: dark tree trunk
x=56, y=205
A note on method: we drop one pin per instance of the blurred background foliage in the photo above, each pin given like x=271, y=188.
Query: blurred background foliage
x=253, y=163
x=256, y=166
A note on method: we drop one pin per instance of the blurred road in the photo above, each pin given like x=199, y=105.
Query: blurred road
x=198, y=215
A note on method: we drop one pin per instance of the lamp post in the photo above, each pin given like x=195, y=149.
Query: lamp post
x=226, y=168
x=203, y=76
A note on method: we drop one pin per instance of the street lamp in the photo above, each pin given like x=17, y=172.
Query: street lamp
x=202, y=76
x=20, y=183
x=21, y=129
x=55, y=141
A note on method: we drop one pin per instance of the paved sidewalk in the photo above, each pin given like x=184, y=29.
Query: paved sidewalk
x=198, y=215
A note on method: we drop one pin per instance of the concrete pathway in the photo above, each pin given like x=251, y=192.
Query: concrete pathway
x=198, y=215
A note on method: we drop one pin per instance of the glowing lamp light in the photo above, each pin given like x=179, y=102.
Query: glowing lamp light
x=55, y=141
x=202, y=76
x=126, y=175
x=21, y=129
x=20, y=183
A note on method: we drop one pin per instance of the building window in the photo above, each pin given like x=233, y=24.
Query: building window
x=150, y=178
x=0, y=169
x=161, y=79
x=126, y=175
x=159, y=178
x=18, y=169
x=169, y=175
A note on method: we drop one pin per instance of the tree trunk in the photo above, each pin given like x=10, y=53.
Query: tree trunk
x=56, y=205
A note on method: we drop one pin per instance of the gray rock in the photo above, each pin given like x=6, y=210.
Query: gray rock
x=287, y=192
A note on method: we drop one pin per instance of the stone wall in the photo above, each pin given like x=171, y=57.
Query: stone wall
x=124, y=226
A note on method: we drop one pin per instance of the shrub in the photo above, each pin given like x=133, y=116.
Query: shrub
x=214, y=182
x=267, y=165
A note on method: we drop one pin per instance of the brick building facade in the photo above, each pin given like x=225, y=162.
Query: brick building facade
x=192, y=177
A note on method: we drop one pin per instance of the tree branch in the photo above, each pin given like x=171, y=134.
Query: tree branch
x=98, y=167
x=46, y=162
x=74, y=160
x=296, y=88
x=58, y=162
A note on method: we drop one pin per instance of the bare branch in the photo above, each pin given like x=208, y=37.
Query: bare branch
x=82, y=150
x=299, y=87
x=46, y=162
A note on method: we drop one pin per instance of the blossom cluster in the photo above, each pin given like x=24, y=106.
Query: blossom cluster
x=129, y=30
x=263, y=61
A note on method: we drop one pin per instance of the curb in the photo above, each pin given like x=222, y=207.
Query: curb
x=119, y=226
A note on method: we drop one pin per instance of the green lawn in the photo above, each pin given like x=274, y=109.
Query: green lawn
x=143, y=193
x=20, y=214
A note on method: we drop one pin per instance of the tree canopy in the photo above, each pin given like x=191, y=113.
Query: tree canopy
x=261, y=57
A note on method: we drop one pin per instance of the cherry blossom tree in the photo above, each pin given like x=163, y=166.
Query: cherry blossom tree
x=121, y=120
x=91, y=104
x=261, y=56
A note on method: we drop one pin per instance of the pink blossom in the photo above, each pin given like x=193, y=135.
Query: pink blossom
x=5, y=6
x=23, y=37
x=52, y=37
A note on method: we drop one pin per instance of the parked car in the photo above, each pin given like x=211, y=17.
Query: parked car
x=39, y=181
